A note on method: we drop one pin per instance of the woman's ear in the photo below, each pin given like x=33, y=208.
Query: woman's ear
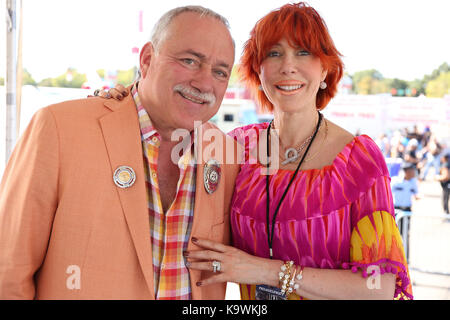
x=145, y=57
x=324, y=74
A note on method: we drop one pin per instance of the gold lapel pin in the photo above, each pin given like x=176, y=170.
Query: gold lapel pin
x=124, y=177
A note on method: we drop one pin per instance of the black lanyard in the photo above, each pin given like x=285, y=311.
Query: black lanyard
x=271, y=234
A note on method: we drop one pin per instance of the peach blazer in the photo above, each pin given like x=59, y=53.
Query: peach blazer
x=67, y=231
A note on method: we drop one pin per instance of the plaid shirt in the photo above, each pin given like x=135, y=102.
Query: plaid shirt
x=170, y=231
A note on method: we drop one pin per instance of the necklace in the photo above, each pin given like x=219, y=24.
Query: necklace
x=269, y=233
x=292, y=154
x=321, y=145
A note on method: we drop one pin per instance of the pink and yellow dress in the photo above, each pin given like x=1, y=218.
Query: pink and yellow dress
x=337, y=217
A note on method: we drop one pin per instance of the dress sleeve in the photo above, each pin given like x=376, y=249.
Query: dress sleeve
x=376, y=245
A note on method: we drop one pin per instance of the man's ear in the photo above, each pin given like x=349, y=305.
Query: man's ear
x=145, y=57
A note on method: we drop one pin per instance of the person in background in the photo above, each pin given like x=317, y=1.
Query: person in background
x=404, y=190
x=411, y=154
x=433, y=159
x=444, y=179
x=383, y=143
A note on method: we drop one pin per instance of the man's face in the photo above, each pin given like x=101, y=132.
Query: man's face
x=185, y=79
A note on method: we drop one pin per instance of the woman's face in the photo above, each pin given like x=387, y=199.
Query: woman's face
x=291, y=77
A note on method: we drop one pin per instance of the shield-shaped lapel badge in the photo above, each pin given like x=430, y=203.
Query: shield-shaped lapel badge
x=211, y=175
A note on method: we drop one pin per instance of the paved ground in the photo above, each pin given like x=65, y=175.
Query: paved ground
x=429, y=247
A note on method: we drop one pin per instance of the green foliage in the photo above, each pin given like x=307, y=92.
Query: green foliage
x=440, y=86
x=70, y=79
x=27, y=79
x=126, y=77
x=372, y=82
x=369, y=82
x=101, y=73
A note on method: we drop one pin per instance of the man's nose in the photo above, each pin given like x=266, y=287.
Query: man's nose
x=203, y=80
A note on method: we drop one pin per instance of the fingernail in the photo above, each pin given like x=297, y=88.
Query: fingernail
x=108, y=95
x=194, y=240
x=199, y=284
x=187, y=264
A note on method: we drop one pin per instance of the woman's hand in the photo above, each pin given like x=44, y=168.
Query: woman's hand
x=235, y=265
x=118, y=92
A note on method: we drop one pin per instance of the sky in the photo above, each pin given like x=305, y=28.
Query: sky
x=403, y=39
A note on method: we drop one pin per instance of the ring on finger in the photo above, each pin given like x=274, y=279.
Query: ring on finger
x=96, y=92
x=216, y=266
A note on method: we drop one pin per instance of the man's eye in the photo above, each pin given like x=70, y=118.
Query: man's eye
x=221, y=74
x=188, y=61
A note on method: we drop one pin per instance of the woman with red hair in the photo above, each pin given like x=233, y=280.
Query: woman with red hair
x=321, y=226
x=312, y=213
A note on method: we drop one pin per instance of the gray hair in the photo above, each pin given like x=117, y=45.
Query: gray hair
x=163, y=23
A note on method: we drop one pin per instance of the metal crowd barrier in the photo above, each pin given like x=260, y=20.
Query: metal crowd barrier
x=426, y=241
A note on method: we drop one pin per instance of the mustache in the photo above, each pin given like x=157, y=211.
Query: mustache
x=208, y=98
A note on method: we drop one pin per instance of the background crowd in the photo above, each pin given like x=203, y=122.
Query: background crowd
x=423, y=155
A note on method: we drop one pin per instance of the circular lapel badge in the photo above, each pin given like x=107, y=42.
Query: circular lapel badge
x=211, y=175
x=124, y=177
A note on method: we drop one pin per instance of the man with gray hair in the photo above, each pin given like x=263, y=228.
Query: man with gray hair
x=93, y=203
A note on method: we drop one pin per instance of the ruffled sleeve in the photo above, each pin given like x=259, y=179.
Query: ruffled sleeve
x=376, y=245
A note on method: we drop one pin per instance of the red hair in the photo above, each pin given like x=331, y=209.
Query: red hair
x=301, y=25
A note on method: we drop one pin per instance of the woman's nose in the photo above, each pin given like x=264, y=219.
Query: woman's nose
x=288, y=66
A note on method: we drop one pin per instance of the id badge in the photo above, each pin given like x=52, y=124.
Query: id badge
x=264, y=292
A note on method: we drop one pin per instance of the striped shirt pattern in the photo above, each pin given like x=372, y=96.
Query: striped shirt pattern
x=170, y=231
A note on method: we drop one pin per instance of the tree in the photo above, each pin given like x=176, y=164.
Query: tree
x=126, y=77
x=70, y=79
x=101, y=73
x=369, y=82
x=27, y=79
x=439, y=87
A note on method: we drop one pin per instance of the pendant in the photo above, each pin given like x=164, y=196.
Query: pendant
x=291, y=155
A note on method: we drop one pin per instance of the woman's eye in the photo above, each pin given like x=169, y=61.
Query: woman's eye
x=273, y=54
x=303, y=53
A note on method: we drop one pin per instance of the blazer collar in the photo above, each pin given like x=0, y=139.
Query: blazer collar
x=122, y=137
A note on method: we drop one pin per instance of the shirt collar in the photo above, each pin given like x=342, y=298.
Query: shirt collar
x=148, y=131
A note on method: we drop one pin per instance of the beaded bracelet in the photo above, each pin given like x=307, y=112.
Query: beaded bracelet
x=288, y=279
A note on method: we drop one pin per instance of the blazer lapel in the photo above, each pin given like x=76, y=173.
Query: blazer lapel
x=123, y=141
x=208, y=208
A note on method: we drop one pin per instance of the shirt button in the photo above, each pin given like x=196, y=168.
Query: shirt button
x=155, y=139
x=163, y=265
x=154, y=175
